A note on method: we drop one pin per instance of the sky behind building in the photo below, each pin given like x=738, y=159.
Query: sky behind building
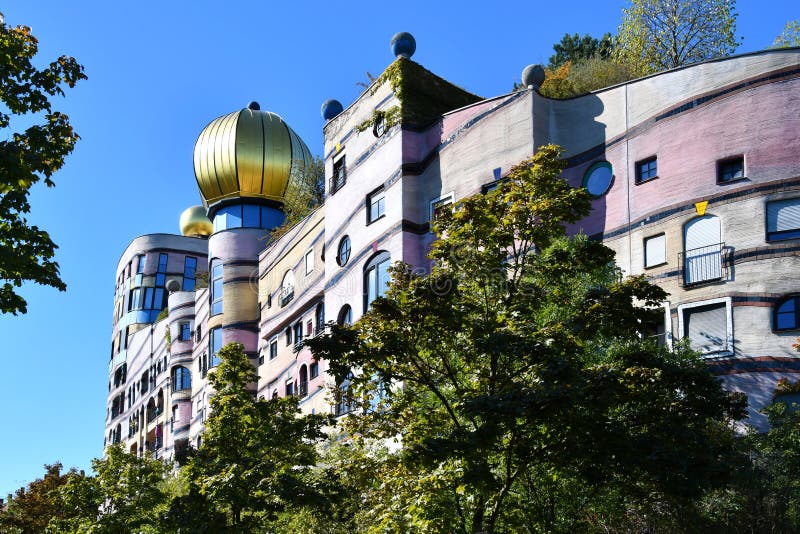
x=158, y=73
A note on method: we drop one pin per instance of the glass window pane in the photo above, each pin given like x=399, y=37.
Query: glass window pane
x=786, y=321
x=372, y=285
x=252, y=216
x=383, y=277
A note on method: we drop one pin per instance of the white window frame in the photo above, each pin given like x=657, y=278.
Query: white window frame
x=644, y=249
x=309, y=261
x=440, y=200
x=729, y=327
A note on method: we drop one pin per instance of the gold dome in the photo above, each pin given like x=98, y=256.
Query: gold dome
x=248, y=153
x=194, y=222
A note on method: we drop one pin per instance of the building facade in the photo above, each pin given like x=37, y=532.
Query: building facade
x=695, y=174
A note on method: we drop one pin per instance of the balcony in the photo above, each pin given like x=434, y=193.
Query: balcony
x=704, y=265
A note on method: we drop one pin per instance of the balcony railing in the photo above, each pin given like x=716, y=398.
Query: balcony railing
x=303, y=389
x=704, y=264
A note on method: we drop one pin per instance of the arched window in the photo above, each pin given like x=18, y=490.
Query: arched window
x=181, y=378
x=343, y=252
x=287, y=288
x=215, y=287
x=319, y=315
x=345, y=317
x=303, y=379
x=787, y=314
x=702, y=250
x=274, y=393
x=376, y=277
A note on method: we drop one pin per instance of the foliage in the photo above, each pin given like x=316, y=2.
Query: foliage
x=307, y=191
x=520, y=358
x=556, y=82
x=662, y=34
x=26, y=252
x=32, y=507
x=574, y=48
x=124, y=496
x=585, y=75
x=786, y=387
x=255, y=454
x=201, y=280
x=790, y=36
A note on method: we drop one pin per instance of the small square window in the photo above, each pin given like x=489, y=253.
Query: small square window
x=339, y=175
x=439, y=205
x=376, y=205
x=730, y=170
x=186, y=331
x=273, y=349
x=646, y=170
x=783, y=219
x=309, y=262
x=655, y=250
x=314, y=370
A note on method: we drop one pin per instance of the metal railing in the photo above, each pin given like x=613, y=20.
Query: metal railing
x=303, y=389
x=704, y=264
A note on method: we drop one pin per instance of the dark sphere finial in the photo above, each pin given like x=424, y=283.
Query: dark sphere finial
x=254, y=106
x=330, y=108
x=403, y=45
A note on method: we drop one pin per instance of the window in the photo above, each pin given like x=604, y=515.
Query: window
x=339, y=175
x=707, y=324
x=287, y=288
x=647, y=169
x=379, y=124
x=181, y=379
x=275, y=394
x=783, y=219
x=309, y=328
x=440, y=204
x=655, y=250
x=289, y=388
x=189, y=269
x=140, y=264
x=144, y=384
x=215, y=292
x=345, y=317
x=314, y=369
x=298, y=334
x=343, y=254
x=309, y=262
x=703, y=259
x=787, y=314
x=303, y=380
x=186, y=331
x=730, y=170
x=215, y=344
x=198, y=335
x=273, y=348
x=288, y=333
x=319, y=317
x=376, y=278
x=598, y=178
x=376, y=205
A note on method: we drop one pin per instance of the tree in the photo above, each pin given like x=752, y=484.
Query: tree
x=662, y=34
x=32, y=507
x=256, y=454
x=790, y=36
x=575, y=48
x=306, y=192
x=26, y=252
x=585, y=75
x=520, y=359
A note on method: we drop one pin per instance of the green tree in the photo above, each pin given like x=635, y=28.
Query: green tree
x=256, y=455
x=306, y=192
x=26, y=252
x=520, y=357
x=790, y=36
x=32, y=507
x=662, y=34
x=575, y=48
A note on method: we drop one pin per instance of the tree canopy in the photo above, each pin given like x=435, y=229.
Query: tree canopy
x=26, y=157
x=662, y=34
x=573, y=47
x=790, y=36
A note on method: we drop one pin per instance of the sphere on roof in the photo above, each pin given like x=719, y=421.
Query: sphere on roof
x=194, y=222
x=403, y=45
x=248, y=153
x=533, y=75
x=330, y=108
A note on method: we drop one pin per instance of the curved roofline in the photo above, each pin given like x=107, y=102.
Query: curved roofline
x=156, y=234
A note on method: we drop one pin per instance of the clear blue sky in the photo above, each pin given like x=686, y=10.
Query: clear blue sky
x=158, y=73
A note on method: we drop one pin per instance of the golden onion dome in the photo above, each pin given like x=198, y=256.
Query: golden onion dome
x=194, y=222
x=248, y=153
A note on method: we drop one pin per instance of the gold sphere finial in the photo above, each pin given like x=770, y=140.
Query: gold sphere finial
x=195, y=223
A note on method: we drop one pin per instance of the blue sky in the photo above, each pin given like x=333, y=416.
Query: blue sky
x=158, y=73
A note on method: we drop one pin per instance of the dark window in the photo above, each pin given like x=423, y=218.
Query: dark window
x=189, y=269
x=598, y=178
x=345, y=317
x=787, y=314
x=273, y=349
x=289, y=389
x=731, y=169
x=162, y=263
x=303, y=382
x=376, y=278
x=646, y=169
x=181, y=378
x=186, y=331
x=198, y=334
x=298, y=334
x=314, y=369
x=783, y=219
x=288, y=333
x=216, y=287
x=275, y=394
x=343, y=254
x=339, y=175
x=319, y=315
x=376, y=205
x=287, y=288
x=145, y=382
x=140, y=264
x=440, y=206
x=215, y=343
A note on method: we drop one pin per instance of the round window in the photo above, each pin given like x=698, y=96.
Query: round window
x=598, y=178
x=343, y=255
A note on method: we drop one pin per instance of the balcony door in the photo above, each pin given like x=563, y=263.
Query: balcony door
x=702, y=240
